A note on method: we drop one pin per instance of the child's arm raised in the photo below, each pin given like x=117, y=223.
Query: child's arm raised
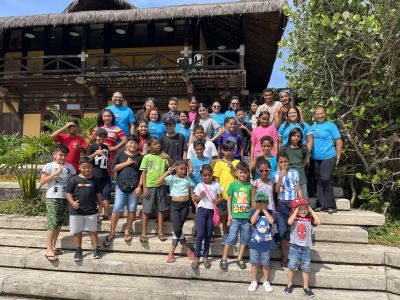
x=293, y=216
x=254, y=217
x=119, y=167
x=161, y=180
x=279, y=182
x=46, y=178
x=266, y=213
x=317, y=221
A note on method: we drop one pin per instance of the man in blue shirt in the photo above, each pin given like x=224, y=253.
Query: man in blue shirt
x=124, y=116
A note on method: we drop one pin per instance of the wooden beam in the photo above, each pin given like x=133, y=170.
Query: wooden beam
x=11, y=107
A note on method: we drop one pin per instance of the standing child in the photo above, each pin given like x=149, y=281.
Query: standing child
x=82, y=192
x=193, y=105
x=209, y=125
x=244, y=130
x=231, y=135
x=239, y=203
x=197, y=162
x=173, y=143
x=207, y=194
x=264, y=182
x=153, y=167
x=129, y=187
x=143, y=135
x=180, y=190
x=264, y=129
x=56, y=175
x=261, y=241
x=209, y=151
x=301, y=222
x=173, y=110
x=224, y=173
x=266, y=145
x=288, y=188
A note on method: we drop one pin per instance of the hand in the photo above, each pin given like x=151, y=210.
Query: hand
x=69, y=124
x=229, y=219
x=337, y=161
x=284, y=172
x=59, y=170
x=263, y=205
x=202, y=194
x=75, y=205
x=146, y=193
x=137, y=191
x=129, y=161
x=99, y=152
x=171, y=169
x=100, y=208
x=112, y=148
x=164, y=155
x=190, y=172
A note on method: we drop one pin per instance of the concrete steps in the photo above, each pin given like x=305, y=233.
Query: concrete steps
x=74, y=285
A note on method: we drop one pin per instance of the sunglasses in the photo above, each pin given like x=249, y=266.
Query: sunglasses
x=263, y=170
x=216, y=106
x=235, y=103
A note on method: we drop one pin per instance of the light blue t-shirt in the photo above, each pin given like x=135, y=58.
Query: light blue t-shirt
x=182, y=130
x=284, y=132
x=157, y=129
x=123, y=116
x=274, y=164
x=196, y=168
x=220, y=119
x=231, y=113
x=324, y=136
x=178, y=187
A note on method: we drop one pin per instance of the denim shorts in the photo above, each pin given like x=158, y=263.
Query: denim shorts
x=284, y=213
x=259, y=256
x=238, y=224
x=122, y=200
x=299, y=255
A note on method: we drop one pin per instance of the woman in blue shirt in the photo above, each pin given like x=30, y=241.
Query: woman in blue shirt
x=234, y=104
x=217, y=116
x=156, y=127
x=325, y=155
x=183, y=127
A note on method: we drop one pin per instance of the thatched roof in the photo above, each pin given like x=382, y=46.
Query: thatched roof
x=88, y=5
x=133, y=15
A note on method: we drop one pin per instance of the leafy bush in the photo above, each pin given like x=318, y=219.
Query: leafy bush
x=388, y=234
x=22, y=207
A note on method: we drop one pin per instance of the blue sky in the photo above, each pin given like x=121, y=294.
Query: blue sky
x=33, y=7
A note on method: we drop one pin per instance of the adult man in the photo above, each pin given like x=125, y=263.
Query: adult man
x=270, y=105
x=124, y=116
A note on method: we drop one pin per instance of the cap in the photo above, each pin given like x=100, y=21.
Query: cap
x=261, y=196
x=101, y=131
x=169, y=120
x=299, y=201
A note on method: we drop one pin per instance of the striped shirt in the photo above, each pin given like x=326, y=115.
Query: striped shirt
x=113, y=134
x=288, y=190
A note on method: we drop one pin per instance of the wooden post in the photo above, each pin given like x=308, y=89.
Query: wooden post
x=21, y=111
x=241, y=56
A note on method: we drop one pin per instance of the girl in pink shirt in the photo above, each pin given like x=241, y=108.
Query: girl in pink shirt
x=193, y=105
x=265, y=128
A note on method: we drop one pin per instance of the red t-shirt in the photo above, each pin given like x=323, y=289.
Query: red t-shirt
x=74, y=153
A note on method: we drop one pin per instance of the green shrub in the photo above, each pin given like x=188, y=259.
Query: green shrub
x=25, y=208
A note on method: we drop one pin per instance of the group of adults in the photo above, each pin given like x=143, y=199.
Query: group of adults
x=322, y=138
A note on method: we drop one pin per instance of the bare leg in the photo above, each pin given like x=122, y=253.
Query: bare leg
x=129, y=222
x=160, y=217
x=290, y=277
x=226, y=251
x=242, y=249
x=114, y=221
x=50, y=240
x=145, y=220
x=94, y=239
x=78, y=240
x=254, y=272
x=55, y=237
x=284, y=250
x=266, y=273
x=224, y=222
x=306, y=279
x=106, y=204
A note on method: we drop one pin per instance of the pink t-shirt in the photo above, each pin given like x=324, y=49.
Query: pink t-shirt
x=260, y=132
x=192, y=116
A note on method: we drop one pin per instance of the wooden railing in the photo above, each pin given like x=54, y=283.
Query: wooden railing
x=84, y=63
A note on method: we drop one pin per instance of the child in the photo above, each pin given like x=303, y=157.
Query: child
x=156, y=127
x=264, y=129
x=244, y=130
x=209, y=125
x=173, y=143
x=153, y=167
x=209, y=151
x=300, y=242
x=180, y=190
x=82, y=192
x=193, y=105
x=56, y=175
x=197, y=162
x=263, y=183
x=129, y=187
x=183, y=127
x=266, y=144
x=143, y=135
x=224, y=173
x=231, y=135
x=261, y=241
x=288, y=188
x=207, y=194
x=298, y=157
x=173, y=110
x=239, y=202
x=98, y=152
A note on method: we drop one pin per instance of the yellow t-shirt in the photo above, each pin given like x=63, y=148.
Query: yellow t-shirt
x=225, y=175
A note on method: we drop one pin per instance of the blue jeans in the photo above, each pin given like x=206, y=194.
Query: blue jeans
x=204, y=228
x=259, y=256
x=124, y=199
x=284, y=213
x=238, y=224
x=299, y=255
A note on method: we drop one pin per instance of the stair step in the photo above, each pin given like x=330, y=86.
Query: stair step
x=73, y=285
x=393, y=281
x=341, y=203
x=353, y=217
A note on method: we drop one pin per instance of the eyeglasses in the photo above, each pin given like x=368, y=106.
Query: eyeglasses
x=118, y=97
x=263, y=170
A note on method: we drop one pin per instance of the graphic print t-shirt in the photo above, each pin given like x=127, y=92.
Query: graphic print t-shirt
x=56, y=187
x=241, y=199
x=261, y=236
x=301, y=231
x=100, y=162
x=84, y=190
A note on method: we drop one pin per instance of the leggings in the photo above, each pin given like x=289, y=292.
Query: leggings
x=323, y=170
x=204, y=228
x=179, y=213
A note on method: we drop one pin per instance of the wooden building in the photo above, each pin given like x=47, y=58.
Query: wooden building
x=75, y=60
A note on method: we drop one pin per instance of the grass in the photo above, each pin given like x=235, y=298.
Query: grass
x=387, y=235
x=20, y=207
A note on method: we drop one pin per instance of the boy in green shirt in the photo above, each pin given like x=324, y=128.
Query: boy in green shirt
x=153, y=167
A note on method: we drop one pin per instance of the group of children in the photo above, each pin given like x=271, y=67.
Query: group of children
x=242, y=178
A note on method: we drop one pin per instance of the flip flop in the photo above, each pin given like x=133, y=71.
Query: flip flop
x=162, y=238
x=128, y=238
x=58, y=251
x=143, y=239
x=51, y=258
x=107, y=242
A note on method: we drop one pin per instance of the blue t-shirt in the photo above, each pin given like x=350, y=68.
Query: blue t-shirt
x=196, y=168
x=231, y=113
x=178, y=187
x=220, y=119
x=234, y=137
x=274, y=164
x=261, y=236
x=179, y=128
x=324, y=136
x=284, y=132
x=157, y=129
x=288, y=190
x=123, y=117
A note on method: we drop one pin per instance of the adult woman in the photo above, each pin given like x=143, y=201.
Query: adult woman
x=234, y=104
x=281, y=115
x=208, y=124
x=149, y=103
x=252, y=114
x=216, y=114
x=325, y=155
x=156, y=127
x=183, y=127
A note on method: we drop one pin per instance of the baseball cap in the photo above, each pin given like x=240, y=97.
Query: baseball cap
x=100, y=131
x=261, y=196
x=169, y=120
x=299, y=201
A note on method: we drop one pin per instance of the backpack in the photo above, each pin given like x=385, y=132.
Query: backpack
x=128, y=179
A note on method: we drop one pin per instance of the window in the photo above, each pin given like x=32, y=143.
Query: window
x=34, y=38
x=15, y=40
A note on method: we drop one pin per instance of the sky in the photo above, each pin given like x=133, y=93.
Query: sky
x=33, y=7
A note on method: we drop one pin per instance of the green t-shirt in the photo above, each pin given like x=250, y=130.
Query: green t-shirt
x=241, y=199
x=296, y=161
x=155, y=166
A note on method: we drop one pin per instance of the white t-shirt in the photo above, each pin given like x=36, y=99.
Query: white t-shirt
x=267, y=188
x=214, y=189
x=271, y=109
x=57, y=186
x=209, y=151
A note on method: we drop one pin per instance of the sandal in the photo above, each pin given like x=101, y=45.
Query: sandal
x=143, y=239
x=51, y=258
x=162, y=238
x=128, y=238
x=284, y=264
x=170, y=258
x=107, y=242
x=58, y=251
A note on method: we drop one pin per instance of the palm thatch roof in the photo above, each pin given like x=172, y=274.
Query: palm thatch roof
x=88, y=5
x=133, y=15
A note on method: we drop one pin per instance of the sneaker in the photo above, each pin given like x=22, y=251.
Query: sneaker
x=78, y=254
x=96, y=254
x=308, y=292
x=267, y=287
x=241, y=264
x=289, y=289
x=253, y=286
x=195, y=264
x=207, y=263
x=223, y=264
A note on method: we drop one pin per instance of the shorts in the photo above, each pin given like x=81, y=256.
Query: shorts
x=122, y=200
x=57, y=213
x=223, y=208
x=259, y=257
x=284, y=213
x=105, y=184
x=238, y=224
x=299, y=255
x=79, y=223
x=158, y=199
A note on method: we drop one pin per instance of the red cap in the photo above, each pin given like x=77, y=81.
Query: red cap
x=299, y=201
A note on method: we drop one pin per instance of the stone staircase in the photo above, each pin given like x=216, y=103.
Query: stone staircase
x=344, y=264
